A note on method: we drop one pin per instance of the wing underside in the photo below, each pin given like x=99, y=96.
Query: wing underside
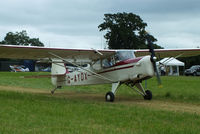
x=162, y=53
x=21, y=52
x=83, y=55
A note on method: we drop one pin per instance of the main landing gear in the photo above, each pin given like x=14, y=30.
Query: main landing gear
x=139, y=88
x=148, y=95
x=110, y=96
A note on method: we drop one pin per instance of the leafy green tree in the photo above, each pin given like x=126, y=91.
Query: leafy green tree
x=125, y=31
x=21, y=38
x=35, y=42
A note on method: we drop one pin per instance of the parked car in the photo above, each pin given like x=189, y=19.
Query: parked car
x=48, y=69
x=18, y=68
x=193, y=70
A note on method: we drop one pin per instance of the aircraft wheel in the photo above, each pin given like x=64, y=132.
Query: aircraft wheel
x=110, y=97
x=148, y=95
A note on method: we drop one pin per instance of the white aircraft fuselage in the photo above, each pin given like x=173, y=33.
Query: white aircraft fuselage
x=129, y=69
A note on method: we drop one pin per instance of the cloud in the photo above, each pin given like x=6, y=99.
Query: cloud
x=75, y=22
x=180, y=41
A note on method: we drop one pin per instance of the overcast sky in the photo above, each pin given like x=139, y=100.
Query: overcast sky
x=74, y=23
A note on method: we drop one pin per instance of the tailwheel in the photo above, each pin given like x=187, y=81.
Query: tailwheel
x=110, y=97
x=148, y=95
x=52, y=91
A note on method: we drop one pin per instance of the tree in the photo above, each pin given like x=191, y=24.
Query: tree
x=125, y=31
x=35, y=42
x=21, y=38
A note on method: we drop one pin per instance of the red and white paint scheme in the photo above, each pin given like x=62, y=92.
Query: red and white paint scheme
x=86, y=67
x=105, y=70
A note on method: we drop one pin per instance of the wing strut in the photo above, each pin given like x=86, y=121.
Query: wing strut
x=95, y=74
x=96, y=51
x=169, y=59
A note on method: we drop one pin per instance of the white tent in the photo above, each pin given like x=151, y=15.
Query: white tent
x=171, y=64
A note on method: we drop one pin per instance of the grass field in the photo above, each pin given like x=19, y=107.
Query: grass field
x=26, y=106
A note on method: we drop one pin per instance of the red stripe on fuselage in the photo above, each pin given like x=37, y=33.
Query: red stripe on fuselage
x=114, y=69
x=128, y=61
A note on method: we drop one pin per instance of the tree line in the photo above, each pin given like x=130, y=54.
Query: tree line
x=21, y=38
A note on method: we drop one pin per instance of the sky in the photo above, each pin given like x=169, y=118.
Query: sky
x=74, y=23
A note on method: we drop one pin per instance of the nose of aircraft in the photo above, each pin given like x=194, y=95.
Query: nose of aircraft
x=147, y=66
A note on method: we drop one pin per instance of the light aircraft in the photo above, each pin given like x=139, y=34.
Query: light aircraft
x=116, y=67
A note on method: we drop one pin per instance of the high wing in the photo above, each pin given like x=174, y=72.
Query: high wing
x=161, y=53
x=75, y=55
x=83, y=55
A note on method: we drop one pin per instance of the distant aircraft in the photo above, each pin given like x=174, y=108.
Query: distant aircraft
x=117, y=67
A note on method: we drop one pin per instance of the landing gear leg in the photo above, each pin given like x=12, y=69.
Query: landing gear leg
x=52, y=91
x=146, y=94
x=110, y=96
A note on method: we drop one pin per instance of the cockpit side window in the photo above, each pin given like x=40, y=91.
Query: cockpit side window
x=97, y=65
x=108, y=62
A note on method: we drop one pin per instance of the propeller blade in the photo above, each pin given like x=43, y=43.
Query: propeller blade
x=153, y=57
x=157, y=73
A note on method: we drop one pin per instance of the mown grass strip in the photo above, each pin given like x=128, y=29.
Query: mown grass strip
x=29, y=113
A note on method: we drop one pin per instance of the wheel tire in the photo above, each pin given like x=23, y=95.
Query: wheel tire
x=148, y=95
x=194, y=74
x=110, y=97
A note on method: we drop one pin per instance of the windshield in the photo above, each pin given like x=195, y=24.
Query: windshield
x=124, y=55
x=112, y=60
x=118, y=57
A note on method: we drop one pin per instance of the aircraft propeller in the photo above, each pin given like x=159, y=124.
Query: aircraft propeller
x=153, y=57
